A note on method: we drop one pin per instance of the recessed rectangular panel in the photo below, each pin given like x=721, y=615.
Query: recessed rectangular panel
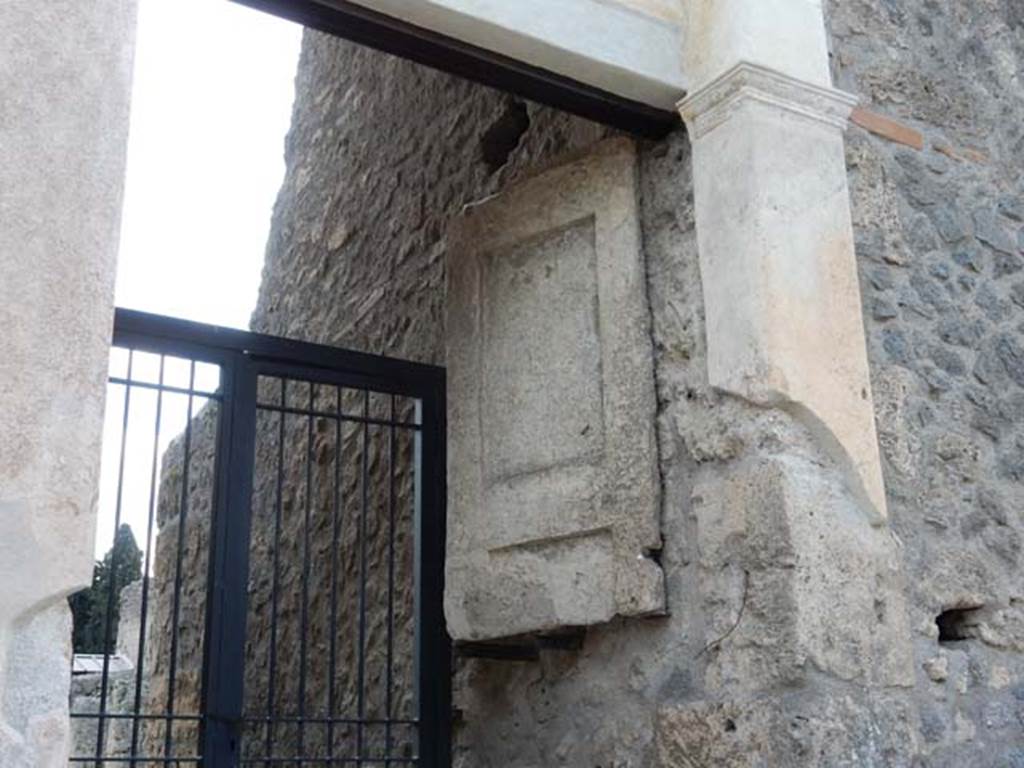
x=553, y=492
x=542, y=358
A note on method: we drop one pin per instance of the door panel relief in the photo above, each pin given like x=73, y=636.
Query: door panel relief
x=553, y=486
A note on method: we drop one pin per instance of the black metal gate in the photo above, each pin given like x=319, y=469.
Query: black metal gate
x=290, y=605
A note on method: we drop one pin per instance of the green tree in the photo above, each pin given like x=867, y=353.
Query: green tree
x=119, y=567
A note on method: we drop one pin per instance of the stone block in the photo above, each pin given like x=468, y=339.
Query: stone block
x=129, y=624
x=854, y=728
x=553, y=488
x=815, y=586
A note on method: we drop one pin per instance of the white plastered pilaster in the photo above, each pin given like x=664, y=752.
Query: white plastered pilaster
x=782, y=301
x=65, y=77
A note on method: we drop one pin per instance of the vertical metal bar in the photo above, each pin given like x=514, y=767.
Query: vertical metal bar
x=433, y=646
x=272, y=665
x=391, y=582
x=182, y=521
x=144, y=610
x=228, y=577
x=101, y=722
x=361, y=676
x=304, y=609
x=335, y=535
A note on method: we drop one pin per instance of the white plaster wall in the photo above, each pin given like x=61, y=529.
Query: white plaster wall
x=787, y=36
x=65, y=77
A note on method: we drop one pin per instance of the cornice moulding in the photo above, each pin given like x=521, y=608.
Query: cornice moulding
x=713, y=104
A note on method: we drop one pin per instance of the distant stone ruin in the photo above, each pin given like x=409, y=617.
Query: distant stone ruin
x=87, y=683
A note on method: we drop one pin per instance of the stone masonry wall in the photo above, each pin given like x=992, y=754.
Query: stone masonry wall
x=940, y=242
x=190, y=533
x=278, y=682
x=778, y=649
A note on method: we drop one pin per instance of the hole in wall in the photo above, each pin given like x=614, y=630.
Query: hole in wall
x=880, y=610
x=957, y=624
x=654, y=555
x=501, y=139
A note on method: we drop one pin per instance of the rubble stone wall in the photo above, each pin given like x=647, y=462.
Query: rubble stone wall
x=940, y=244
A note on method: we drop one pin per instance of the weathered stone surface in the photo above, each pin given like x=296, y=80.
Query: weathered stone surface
x=160, y=635
x=129, y=621
x=794, y=729
x=65, y=75
x=381, y=291
x=784, y=37
x=37, y=674
x=343, y=558
x=86, y=693
x=794, y=543
x=552, y=477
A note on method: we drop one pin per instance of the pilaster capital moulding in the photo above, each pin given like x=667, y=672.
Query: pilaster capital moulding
x=712, y=104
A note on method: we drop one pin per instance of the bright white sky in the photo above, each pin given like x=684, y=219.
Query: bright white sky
x=211, y=105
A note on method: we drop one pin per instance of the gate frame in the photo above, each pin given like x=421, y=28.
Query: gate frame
x=242, y=357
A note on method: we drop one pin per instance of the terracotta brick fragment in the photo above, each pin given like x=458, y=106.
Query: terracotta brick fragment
x=966, y=153
x=887, y=128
